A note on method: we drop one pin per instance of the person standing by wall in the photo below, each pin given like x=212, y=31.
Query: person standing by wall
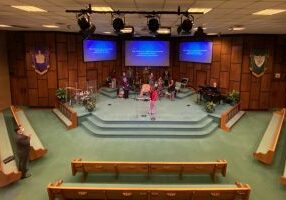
x=23, y=150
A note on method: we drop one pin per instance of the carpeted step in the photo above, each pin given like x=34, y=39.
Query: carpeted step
x=112, y=95
x=153, y=125
x=181, y=95
x=146, y=120
x=109, y=90
x=134, y=132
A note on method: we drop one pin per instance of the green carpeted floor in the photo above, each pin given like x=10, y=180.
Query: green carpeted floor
x=236, y=147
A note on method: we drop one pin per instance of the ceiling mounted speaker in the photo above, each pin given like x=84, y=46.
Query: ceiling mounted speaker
x=153, y=24
x=118, y=24
x=187, y=25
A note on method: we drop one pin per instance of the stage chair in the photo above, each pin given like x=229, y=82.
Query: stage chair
x=184, y=82
x=178, y=86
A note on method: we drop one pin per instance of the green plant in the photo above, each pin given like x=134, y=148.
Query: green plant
x=210, y=107
x=232, y=97
x=61, y=94
x=90, y=104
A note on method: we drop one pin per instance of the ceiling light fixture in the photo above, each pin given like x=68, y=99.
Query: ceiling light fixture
x=202, y=10
x=30, y=8
x=5, y=26
x=236, y=28
x=164, y=31
x=269, y=12
x=101, y=8
x=50, y=26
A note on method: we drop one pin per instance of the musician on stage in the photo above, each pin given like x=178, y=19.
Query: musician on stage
x=125, y=86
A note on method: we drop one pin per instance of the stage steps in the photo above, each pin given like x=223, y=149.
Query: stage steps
x=109, y=92
x=112, y=92
x=131, y=132
x=182, y=95
x=98, y=126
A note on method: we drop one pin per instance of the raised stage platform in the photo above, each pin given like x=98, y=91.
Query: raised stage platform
x=129, y=117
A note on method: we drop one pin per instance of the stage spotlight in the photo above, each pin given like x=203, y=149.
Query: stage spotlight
x=153, y=24
x=118, y=24
x=83, y=22
x=199, y=34
x=86, y=27
x=187, y=25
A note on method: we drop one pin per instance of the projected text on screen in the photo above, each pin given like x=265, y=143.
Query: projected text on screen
x=99, y=50
x=147, y=53
x=200, y=52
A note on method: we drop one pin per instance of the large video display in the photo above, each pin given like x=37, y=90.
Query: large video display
x=99, y=50
x=150, y=53
x=199, y=52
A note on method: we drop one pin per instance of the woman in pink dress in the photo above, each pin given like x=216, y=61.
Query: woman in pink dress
x=153, y=100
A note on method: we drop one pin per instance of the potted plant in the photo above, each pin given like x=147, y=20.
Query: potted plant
x=232, y=97
x=210, y=107
x=90, y=104
x=61, y=94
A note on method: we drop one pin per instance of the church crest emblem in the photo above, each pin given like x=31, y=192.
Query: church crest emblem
x=40, y=60
x=258, y=61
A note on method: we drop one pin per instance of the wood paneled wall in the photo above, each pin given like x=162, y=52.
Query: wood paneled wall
x=229, y=68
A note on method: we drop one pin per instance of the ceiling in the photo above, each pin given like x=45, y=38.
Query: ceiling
x=224, y=14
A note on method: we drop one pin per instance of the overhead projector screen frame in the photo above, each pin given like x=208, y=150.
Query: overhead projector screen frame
x=142, y=64
x=100, y=39
x=195, y=60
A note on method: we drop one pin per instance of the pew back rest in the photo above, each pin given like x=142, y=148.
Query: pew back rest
x=147, y=191
x=269, y=135
x=6, y=148
x=145, y=167
x=35, y=142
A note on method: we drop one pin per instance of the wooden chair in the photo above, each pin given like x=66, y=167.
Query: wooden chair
x=266, y=149
x=60, y=190
x=9, y=172
x=149, y=168
x=37, y=148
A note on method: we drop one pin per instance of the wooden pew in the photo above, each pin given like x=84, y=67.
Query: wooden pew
x=60, y=190
x=266, y=149
x=37, y=148
x=9, y=172
x=283, y=178
x=148, y=168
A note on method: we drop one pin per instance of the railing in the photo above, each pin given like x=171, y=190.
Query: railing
x=68, y=112
x=227, y=115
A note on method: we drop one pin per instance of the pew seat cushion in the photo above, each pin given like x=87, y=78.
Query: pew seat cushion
x=6, y=149
x=269, y=135
x=145, y=186
x=35, y=142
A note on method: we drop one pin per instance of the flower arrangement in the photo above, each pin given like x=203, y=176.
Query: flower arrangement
x=210, y=107
x=61, y=94
x=232, y=97
x=90, y=104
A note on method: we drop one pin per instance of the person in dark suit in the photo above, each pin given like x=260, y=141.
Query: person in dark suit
x=23, y=150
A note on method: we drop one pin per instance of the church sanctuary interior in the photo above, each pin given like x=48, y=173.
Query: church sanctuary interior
x=142, y=100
